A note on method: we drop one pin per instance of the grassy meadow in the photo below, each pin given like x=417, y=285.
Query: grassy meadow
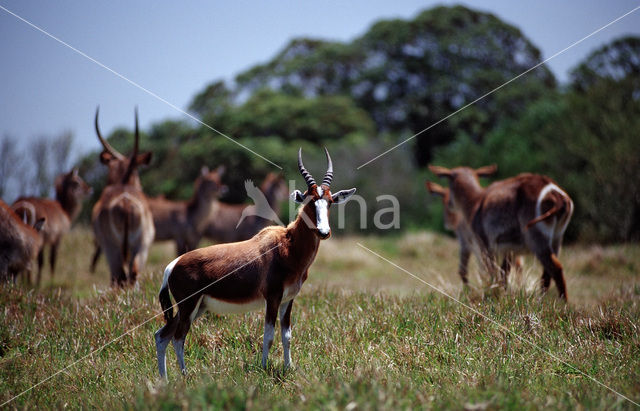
x=366, y=336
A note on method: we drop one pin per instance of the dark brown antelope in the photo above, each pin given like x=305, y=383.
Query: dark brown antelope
x=185, y=221
x=19, y=243
x=267, y=269
x=60, y=213
x=122, y=221
x=526, y=213
x=453, y=221
x=237, y=222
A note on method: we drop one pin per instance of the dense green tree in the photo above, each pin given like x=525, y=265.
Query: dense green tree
x=585, y=138
x=617, y=62
x=408, y=74
x=269, y=113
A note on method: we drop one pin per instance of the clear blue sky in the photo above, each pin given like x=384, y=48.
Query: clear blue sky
x=175, y=48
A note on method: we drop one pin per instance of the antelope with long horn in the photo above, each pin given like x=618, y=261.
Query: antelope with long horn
x=122, y=221
x=266, y=270
x=60, y=213
x=526, y=213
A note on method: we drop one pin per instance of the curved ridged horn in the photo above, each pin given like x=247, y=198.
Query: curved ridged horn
x=329, y=175
x=137, y=137
x=106, y=145
x=307, y=176
x=132, y=163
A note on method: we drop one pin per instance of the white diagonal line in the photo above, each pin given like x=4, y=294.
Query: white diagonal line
x=499, y=87
x=133, y=83
x=502, y=327
x=102, y=347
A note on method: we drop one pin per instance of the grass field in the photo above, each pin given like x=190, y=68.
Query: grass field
x=366, y=335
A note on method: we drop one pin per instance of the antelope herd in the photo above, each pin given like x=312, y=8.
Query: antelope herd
x=254, y=264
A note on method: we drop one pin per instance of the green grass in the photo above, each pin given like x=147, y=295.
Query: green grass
x=366, y=335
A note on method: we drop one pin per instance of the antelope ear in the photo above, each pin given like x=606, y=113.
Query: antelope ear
x=297, y=196
x=440, y=171
x=342, y=196
x=436, y=189
x=144, y=158
x=487, y=170
x=74, y=172
x=204, y=171
x=220, y=170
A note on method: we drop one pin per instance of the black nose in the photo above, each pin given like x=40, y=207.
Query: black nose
x=324, y=236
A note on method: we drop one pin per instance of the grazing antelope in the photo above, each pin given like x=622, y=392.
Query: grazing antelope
x=60, y=213
x=266, y=270
x=528, y=212
x=236, y=222
x=453, y=221
x=184, y=221
x=122, y=221
x=19, y=243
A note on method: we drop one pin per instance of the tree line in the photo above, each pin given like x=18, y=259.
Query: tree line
x=364, y=96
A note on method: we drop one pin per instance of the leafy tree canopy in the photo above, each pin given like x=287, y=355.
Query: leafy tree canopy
x=408, y=74
x=617, y=62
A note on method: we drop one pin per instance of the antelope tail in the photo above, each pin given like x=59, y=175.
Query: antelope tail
x=165, y=303
x=125, y=240
x=554, y=210
x=164, y=296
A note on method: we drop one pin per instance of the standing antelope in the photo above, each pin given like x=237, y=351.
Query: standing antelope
x=528, y=212
x=184, y=221
x=453, y=221
x=121, y=218
x=19, y=243
x=268, y=269
x=60, y=213
x=236, y=222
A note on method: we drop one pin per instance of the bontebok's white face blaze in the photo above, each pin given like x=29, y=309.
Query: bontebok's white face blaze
x=322, y=214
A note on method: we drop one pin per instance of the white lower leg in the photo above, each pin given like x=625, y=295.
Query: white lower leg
x=286, y=340
x=161, y=351
x=266, y=342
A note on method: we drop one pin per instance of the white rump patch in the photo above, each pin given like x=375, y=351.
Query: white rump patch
x=543, y=193
x=548, y=227
x=167, y=273
x=322, y=216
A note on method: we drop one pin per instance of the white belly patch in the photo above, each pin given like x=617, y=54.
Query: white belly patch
x=224, y=307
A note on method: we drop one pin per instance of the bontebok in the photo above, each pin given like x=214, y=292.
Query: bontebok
x=266, y=270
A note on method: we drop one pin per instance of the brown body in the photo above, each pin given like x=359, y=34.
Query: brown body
x=19, y=243
x=526, y=213
x=121, y=219
x=237, y=222
x=60, y=213
x=184, y=221
x=454, y=221
x=266, y=270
